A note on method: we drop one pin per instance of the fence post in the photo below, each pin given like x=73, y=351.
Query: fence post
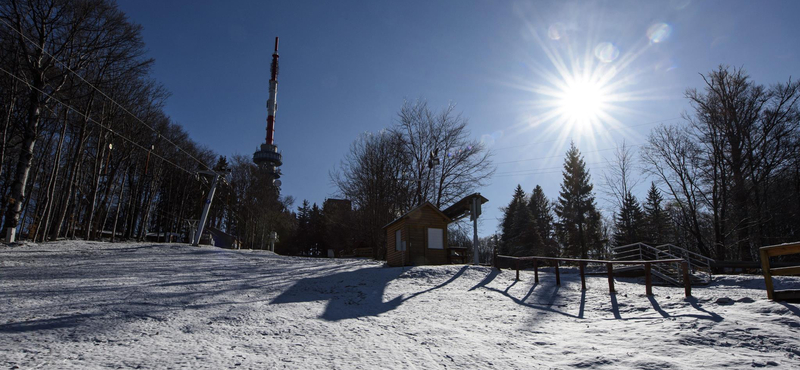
x=558, y=275
x=767, y=274
x=648, y=279
x=516, y=260
x=610, y=268
x=687, y=281
x=494, y=254
x=536, y=271
x=581, y=267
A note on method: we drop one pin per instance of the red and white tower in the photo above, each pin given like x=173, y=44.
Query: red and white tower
x=268, y=156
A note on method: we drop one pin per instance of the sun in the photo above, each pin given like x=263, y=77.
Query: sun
x=582, y=102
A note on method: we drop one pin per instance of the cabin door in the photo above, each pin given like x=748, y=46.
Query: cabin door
x=416, y=250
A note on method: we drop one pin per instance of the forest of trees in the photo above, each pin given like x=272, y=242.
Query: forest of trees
x=86, y=146
x=87, y=151
x=723, y=183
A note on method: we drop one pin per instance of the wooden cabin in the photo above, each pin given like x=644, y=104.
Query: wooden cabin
x=418, y=237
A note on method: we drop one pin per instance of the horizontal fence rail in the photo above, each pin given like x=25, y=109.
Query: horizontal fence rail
x=699, y=266
x=773, y=251
x=609, y=267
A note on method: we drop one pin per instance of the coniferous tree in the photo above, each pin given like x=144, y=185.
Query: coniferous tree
x=303, y=240
x=316, y=222
x=542, y=216
x=578, y=226
x=629, y=221
x=656, y=222
x=525, y=240
x=508, y=234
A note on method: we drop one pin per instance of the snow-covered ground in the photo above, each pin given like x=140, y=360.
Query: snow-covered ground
x=97, y=305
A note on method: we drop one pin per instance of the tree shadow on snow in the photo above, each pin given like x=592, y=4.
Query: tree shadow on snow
x=694, y=303
x=533, y=294
x=44, y=324
x=791, y=307
x=352, y=294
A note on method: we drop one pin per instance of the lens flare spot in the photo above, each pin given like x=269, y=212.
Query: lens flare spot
x=556, y=31
x=659, y=32
x=606, y=52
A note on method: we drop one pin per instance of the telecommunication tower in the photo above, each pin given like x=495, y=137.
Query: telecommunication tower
x=267, y=157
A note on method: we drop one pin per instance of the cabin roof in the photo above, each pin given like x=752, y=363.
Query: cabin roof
x=419, y=207
x=461, y=208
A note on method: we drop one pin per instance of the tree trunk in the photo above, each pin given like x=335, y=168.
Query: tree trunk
x=75, y=163
x=53, y=180
x=25, y=158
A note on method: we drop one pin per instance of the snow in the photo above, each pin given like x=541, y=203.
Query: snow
x=77, y=305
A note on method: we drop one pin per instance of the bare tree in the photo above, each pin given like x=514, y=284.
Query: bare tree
x=750, y=131
x=620, y=178
x=388, y=173
x=464, y=164
x=672, y=157
x=371, y=176
x=55, y=38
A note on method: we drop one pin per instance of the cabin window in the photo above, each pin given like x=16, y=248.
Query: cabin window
x=436, y=238
x=398, y=241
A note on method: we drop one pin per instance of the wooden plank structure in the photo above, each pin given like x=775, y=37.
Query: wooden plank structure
x=779, y=250
x=409, y=238
x=609, y=267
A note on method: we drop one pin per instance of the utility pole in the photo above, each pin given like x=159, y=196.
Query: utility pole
x=192, y=229
x=207, y=206
x=475, y=211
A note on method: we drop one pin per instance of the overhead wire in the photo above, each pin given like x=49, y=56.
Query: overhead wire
x=109, y=129
x=102, y=93
x=607, y=129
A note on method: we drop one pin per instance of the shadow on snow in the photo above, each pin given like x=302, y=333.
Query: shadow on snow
x=353, y=294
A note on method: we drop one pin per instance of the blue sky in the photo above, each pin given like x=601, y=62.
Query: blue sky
x=347, y=67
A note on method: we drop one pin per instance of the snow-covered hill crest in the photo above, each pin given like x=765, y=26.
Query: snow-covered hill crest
x=99, y=305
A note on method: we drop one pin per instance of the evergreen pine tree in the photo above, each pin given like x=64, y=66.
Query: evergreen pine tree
x=578, y=226
x=526, y=240
x=316, y=222
x=303, y=228
x=629, y=221
x=655, y=217
x=542, y=216
x=508, y=232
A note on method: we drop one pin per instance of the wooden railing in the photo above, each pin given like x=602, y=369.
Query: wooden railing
x=648, y=277
x=779, y=250
x=699, y=266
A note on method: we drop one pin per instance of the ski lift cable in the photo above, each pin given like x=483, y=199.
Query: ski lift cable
x=95, y=122
x=102, y=93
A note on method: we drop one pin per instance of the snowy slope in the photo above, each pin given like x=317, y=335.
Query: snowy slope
x=97, y=305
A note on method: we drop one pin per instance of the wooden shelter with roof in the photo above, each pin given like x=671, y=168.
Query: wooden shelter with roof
x=419, y=237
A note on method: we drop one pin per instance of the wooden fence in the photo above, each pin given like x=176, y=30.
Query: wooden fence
x=779, y=250
x=648, y=278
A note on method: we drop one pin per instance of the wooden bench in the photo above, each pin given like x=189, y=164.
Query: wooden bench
x=779, y=250
x=456, y=254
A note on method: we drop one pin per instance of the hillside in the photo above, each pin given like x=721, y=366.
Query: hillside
x=98, y=305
